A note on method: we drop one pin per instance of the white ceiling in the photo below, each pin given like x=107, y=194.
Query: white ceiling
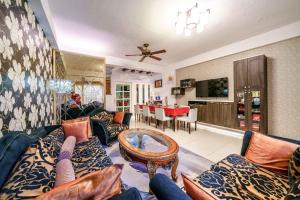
x=115, y=27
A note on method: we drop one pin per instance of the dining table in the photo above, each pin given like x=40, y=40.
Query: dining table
x=171, y=111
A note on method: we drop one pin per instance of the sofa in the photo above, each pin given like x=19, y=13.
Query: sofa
x=106, y=129
x=238, y=177
x=84, y=110
x=28, y=162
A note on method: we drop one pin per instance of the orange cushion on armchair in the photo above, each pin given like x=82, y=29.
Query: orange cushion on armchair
x=270, y=153
x=118, y=118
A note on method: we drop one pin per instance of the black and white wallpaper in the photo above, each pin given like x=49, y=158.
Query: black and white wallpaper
x=25, y=66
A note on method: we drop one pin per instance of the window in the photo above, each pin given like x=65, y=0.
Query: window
x=89, y=92
x=123, y=97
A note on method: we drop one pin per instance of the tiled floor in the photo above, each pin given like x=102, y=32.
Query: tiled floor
x=210, y=145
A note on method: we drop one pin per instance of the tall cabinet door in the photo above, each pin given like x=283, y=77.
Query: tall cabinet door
x=250, y=92
x=240, y=94
x=257, y=93
x=240, y=74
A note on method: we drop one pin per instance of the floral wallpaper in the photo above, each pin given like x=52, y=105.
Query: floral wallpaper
x=25, y=66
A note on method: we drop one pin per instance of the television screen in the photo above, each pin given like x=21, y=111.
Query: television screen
x=202, y=89
x=212, y=88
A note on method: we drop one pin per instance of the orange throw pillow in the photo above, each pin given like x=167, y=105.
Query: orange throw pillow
x=76, y=129
x=81, y=119
x=118, y=118
x=270, y=153
x=194, y=190
x=100, y=185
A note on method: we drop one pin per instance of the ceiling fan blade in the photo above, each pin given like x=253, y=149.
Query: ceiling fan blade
x=156, y=58
x=158, y=52
x=142, y=59
x=142, y=49
x=134, y=55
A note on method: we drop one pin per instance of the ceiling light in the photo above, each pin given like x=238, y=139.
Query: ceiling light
x=191, y=20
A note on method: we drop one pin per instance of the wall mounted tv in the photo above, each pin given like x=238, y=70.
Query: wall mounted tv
x=212, y=88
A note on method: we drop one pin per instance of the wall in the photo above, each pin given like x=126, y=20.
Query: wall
x=25, y=66
x=283, y=82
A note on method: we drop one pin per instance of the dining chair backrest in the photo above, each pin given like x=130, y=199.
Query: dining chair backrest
x=193, y=113
x=146, y=111
x=137, y=109
x=160, y=114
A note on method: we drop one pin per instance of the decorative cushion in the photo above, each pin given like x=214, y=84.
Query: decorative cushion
x=78, y=129
x=118, y=118
x=270, y=153
x=294, y=167
x=236, y=178
x=105, y=117
x=102, y=184
x=12, y=146
x=69, y=144
x=294, y=192
x=86, y=160
x=115, y=129
x=64, y=168
x=87, y=119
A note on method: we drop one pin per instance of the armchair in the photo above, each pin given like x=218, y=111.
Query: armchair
x=105, y=129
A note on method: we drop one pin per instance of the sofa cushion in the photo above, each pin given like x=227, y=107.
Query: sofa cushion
x=64, y=168
x=294, y=167
x=86, y=119
x=79, y=129
x=34, y=173
x=194, y=189
x=105, y=117
x=294, y=192
x=102, y=184
x=115, y=129
x=118, y=118
x=12, y=146
x=270, y=153
x=86, y=160
x=236, y=178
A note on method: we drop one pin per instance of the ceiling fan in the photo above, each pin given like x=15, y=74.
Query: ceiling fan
x=146, y=52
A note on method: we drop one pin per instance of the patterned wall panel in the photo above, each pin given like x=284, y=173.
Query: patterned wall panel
x=25, y=66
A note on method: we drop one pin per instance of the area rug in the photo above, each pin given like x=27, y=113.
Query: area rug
x=135, y=174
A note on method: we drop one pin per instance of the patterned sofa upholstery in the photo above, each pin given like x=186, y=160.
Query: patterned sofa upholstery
x=34, y=172
x=234, y=177
x=104, y=127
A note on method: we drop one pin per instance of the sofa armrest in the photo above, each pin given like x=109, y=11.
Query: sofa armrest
x=127, y=118
x=165, y=189
x=130, y=194
x=100, y=130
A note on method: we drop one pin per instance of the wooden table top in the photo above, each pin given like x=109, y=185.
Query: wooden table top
x=171, y=151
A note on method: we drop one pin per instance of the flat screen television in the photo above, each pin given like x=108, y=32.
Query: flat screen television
x=212, y=88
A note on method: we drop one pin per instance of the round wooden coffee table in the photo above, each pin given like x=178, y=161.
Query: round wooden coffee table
x=150, y=147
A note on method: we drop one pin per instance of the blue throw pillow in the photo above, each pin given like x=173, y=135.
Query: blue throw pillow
x=12, y=146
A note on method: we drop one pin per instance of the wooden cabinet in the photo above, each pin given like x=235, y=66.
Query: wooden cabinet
x=250, y=93
x=216, y=113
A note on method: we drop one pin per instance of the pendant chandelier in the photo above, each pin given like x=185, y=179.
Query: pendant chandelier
x=192, y=20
